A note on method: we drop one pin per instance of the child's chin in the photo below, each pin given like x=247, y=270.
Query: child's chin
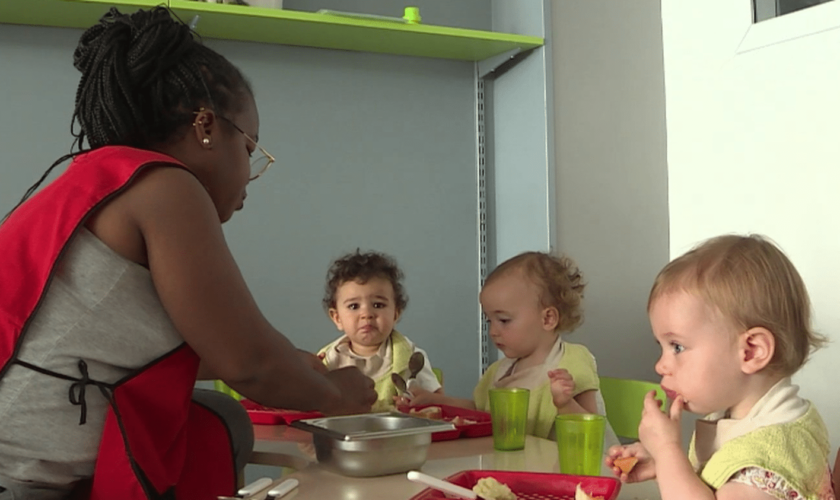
x=690, y=407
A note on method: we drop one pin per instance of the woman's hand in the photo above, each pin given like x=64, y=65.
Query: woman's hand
x=660, y=431
x=645, y=468
x=562, y=387
x=313, y=361
x=356, y=389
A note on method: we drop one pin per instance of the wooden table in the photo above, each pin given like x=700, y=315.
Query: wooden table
x=289, y=447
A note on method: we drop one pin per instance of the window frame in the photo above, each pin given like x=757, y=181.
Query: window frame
x=799, y=24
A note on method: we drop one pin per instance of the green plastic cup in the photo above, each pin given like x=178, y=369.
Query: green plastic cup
x=580, y=443
x=509, y=414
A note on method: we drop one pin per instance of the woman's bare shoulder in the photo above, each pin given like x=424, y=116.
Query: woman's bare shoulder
x=156, y=196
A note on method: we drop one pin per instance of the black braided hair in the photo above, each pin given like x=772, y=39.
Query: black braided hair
x=143, y=76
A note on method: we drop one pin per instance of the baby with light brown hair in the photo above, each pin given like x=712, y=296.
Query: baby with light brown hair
x=532, y=301
x=733, y=319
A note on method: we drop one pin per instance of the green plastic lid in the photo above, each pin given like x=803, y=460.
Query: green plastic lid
x=412, y=15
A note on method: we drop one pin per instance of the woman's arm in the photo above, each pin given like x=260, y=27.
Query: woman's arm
x=205, y=373
x=205, y=295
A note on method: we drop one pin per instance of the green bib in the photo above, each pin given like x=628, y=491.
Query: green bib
x=797, y=451
x=541, y=410
x=401, y=351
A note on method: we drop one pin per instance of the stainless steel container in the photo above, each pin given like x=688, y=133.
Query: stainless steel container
x=375, y=444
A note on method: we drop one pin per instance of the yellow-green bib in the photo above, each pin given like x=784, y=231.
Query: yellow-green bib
x=401, y=351
x=797, y=451
x=541, y=411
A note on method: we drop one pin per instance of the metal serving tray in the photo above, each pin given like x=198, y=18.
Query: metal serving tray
x=374, y=444
x=372, y=426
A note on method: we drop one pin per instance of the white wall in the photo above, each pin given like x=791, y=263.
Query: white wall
x=752, y=147
x=611, y=176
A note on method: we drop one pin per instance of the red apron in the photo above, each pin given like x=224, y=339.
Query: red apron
x=157, y=443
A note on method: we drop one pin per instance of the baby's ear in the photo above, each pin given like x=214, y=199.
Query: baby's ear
x=397, y=315
x=550, y=318
x=333, y=312
x=756, y=348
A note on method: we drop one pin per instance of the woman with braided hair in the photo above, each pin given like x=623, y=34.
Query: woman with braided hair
x=119, y=289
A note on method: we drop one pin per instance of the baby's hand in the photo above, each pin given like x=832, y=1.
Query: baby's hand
x=420, y=397
x=644, y=469
x=562, y=387
x=659, y=430
x=400, y=401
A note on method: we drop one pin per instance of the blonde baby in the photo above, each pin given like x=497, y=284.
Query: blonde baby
x=531, y=302
x=732, y=318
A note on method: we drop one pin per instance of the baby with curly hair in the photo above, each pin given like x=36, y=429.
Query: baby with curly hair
x=365, y=298
x=530, y=302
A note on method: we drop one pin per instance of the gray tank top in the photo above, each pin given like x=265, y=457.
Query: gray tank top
x=100, y=308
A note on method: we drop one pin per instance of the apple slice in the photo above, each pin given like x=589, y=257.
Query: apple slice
x=626, y=464
x=581, y=495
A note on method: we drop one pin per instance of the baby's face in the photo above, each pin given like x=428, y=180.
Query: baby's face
x=512, y=306
x=700, y=357
x=366, y=313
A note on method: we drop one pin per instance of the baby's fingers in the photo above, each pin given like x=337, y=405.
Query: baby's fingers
x=676, y=409
x=652, y=404
x=616, y=451
x=558, y=374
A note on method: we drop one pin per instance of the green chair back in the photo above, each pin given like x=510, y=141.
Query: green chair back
x=624, y=400
x=224, y=388
x=439, y=375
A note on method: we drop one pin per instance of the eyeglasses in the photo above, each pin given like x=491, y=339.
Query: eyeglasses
x=259, y=165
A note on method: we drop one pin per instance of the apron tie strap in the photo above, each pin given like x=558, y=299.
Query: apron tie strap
x=77, y=388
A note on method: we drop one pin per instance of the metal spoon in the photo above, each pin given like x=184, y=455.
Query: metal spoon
x=398, y=381
x=415, y=364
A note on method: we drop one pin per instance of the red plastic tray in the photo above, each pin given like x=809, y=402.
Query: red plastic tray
x=533, y=485
x=482, y=426
x=274, y=416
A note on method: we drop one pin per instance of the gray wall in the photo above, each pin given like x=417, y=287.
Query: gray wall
x=374, y=152
x=611, y=177
x=522, y=164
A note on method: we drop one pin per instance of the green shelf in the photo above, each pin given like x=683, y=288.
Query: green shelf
x=288, y=27
x=64, y=14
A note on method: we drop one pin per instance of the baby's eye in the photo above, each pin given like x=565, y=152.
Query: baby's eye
x=678, y=348
x=379, y=305
x=504, y=321
x=353, y=306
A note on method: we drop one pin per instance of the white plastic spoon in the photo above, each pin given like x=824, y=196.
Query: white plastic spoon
x=282, y=488
x=254, y=487
x=440, y=485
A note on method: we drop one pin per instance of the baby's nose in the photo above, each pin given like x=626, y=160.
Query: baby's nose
x=660, y=367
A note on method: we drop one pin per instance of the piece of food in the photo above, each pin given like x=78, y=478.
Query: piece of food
x=431, y=412
x=581, y=495
x=489, y=488
x=458, y=420
x=626, y=464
